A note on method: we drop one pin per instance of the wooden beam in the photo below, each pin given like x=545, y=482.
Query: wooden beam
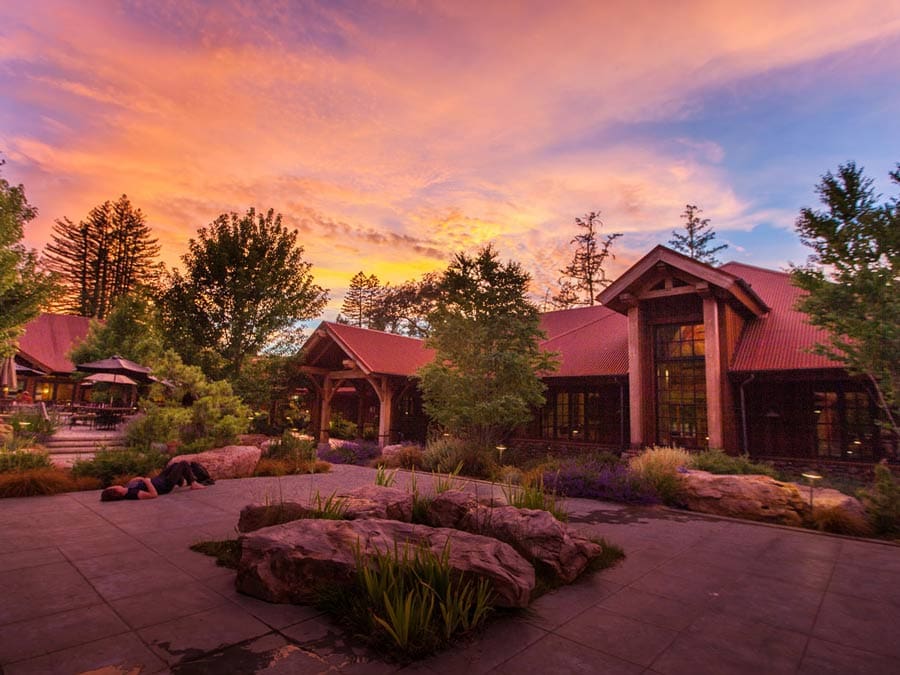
x=354, y=374
x=314, y=370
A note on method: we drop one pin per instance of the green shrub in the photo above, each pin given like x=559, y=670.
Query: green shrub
x=20, y=460
x=444, y=454
x=717, y=461
x=159, y=424
x=108, y=466
x=409, y=601
x=33, y=423
x=290, y=446
x=659, y=469
x=385, y=478
x=882, y=501
x=341, y=427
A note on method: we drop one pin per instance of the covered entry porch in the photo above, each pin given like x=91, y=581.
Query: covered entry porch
x=368, y=376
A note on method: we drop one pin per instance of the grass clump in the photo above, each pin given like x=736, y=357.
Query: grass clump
x=446, y=453
x=839, y=521
x=717, y=461
x=23, y=460
x=226, y=552
x=882, y=501
x=42, y=481
x=409, y=602
x=385, y=478
x=109, y=466
x=659, y=469
x=532, y=495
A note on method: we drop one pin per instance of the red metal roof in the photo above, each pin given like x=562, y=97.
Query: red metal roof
x=588, y=340
x=781, y=339
x=49, y=338
x=593, y=341
x=379, y=352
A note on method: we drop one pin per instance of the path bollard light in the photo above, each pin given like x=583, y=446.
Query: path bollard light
x=500, y=449
x=812, y=478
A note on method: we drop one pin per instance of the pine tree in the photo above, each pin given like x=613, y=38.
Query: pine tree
x=102, y=258
x=361, y=300
x=586, y=272
x=697, y=237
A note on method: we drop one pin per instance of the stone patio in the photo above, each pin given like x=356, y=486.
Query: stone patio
x=87, y=586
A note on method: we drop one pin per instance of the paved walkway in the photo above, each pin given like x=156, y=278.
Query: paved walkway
x=113, y=588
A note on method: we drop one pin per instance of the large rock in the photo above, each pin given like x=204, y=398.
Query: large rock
x=232, y=461
x=287, y=563
x=536, y=535
x=373, y=501
x=836, y=512
x=751, y=497
x=257, y=516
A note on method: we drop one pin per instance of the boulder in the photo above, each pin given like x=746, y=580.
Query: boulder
x=373, y=501
x=232, y=461
x=257, y=516
x=836, y=512
x=6, y=432
x=288, y=563
x=536, y=535
x=751, y=497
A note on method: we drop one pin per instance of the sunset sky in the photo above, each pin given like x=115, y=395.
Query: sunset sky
x=393, y=133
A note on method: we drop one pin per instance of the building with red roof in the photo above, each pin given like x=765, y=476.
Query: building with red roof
x=677, y=353
x=43, y=356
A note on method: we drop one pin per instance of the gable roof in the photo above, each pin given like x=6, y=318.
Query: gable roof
x=49, y=338
x=781, y=339
x=375, y=351
x=616, y=295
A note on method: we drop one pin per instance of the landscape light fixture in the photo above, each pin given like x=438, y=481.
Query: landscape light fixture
x=812, y=478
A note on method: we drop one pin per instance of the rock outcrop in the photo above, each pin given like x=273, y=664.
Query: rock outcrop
x=257, y=516
x=751, y=497
x=287, y=563
x=373, y=501
x=536, y=535
x=232, y=461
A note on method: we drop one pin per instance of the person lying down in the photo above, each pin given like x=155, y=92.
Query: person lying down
x=175, y=475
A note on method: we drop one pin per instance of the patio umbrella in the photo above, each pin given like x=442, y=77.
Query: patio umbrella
x=8, y=374
x=109, y=378
x=118, y=366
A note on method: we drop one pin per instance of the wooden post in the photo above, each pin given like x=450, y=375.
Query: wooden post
x=640, y=388
x=325, y=416
x=715, y=395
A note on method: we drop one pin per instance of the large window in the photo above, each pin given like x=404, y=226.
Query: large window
x=589, y=414
x=679, y=352
x=845, y=425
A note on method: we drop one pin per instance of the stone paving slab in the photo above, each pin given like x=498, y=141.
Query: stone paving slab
x=87, y=586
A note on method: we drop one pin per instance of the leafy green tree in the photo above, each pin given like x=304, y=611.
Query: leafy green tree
x=24, y=289
x=696, y=240
x=245, y=282
x=102, y=258
x=131, y=330
x=484, y=380
x=405, y=308
x=361, y=300
x=852, y=279
x=586, y=273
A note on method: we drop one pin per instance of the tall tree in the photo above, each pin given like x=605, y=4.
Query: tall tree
x=696, y=240
x=586, y=273
x=130, y=330
x=852, y=279
x=244, y=282
x=484, y=379
x=361, y=300
x=102, y=258
x=405, y=308
x=23, y=287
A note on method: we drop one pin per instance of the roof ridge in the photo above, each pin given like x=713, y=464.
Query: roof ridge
x=755, y=267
